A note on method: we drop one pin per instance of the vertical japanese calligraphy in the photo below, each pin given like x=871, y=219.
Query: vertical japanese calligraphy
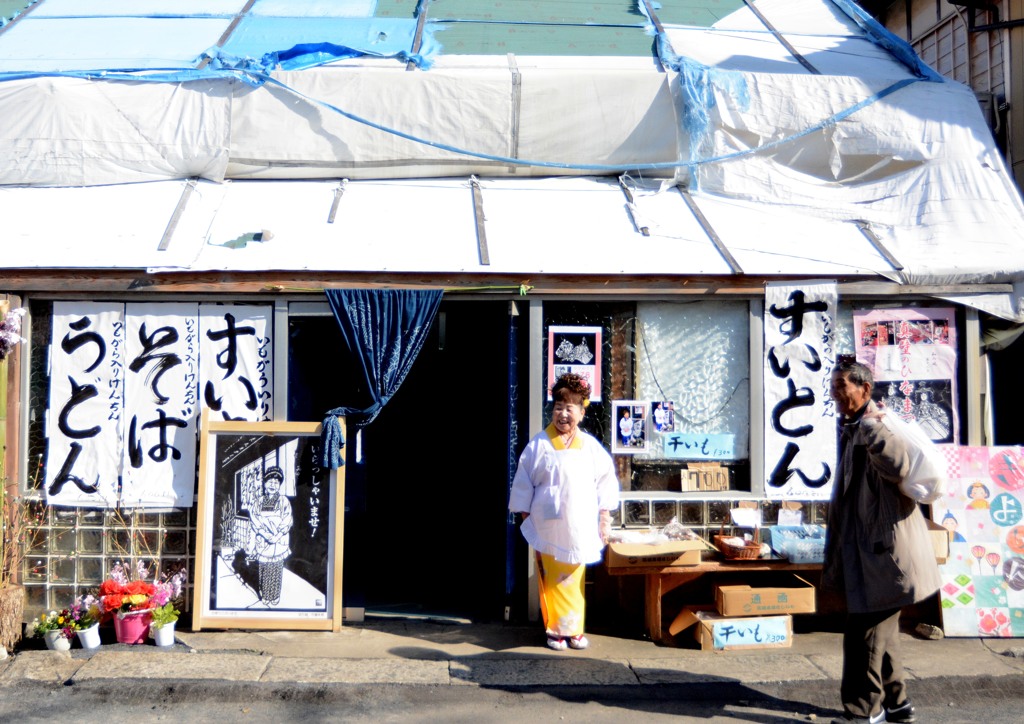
x=127, y=385
x=161, y=406
x=913, y=355
x=799, y=440
x=236, y=361
x=85, y=419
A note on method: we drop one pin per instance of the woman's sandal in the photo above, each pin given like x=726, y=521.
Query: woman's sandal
x=578, y=642
x=557, y=643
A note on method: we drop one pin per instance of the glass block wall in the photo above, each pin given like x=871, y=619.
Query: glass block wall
x=72, y=550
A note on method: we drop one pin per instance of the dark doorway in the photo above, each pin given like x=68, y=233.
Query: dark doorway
x=1007, y=393
x=437, y=485
x=425, y=527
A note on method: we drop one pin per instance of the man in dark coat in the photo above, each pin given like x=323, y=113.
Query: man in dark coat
x=877, y=552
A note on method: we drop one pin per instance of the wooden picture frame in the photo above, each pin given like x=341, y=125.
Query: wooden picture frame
x=266, y=558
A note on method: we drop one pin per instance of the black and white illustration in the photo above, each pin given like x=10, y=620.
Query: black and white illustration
x=268, y=525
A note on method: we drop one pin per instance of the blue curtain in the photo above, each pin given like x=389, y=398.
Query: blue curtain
x=384, y=329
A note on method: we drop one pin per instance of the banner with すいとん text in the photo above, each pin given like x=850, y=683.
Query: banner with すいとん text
x=799, y=428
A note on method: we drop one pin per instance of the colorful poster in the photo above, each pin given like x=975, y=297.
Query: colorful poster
x=982, y=590
x=578, y=350
x=84, y=422
x=236, y=361
x=161, y=404
x=799, y=425
x=912, y=353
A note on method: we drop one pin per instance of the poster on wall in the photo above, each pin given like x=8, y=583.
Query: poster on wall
x=161, y=405
x=577, y=350
x=982, y=591
x=236, y=361
x=912, y=353
x=800, y=434
x=632, y=428
x=84, y=422
x=269, y=539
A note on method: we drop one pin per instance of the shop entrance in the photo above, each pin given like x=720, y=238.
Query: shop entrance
x=425, y=531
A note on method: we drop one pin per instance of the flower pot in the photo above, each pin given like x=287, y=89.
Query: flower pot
x=163, y=635
x=131, y=627
x=55, y=640
x=90, y=637
x=12, y=606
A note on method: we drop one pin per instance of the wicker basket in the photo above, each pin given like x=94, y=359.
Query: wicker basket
x=750, y=549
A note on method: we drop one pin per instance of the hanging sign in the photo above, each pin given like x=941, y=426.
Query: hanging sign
x=127, y=385
x=84, y=422
x=799, y=432
x=912, y=353
x=161, y=404
x=236, y=362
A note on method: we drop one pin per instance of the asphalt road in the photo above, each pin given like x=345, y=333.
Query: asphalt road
x=993, y=700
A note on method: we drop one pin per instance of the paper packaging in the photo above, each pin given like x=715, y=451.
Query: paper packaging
x=715, y=632
x=791, y=594
x=940, y=540
x=670, y=553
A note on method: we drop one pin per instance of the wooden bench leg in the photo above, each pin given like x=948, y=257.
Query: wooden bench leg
x=652, y=607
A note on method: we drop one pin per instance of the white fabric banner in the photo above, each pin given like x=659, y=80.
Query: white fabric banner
x=84, y=422
x=799, y=425
x=161, y=404
x=236, y=361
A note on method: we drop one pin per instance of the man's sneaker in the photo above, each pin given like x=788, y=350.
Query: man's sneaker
x=847, y=719
x=904, y=714
x=557, y=643
x=579, y=642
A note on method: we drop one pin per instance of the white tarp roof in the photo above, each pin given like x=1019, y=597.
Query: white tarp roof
x=789, y=152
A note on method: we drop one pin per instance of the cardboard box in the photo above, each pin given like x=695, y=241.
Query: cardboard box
x=671, y=553
x=940, y=540
x=792, y=594
x=715, y=632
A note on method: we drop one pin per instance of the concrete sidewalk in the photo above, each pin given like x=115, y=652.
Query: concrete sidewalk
x=411, y=652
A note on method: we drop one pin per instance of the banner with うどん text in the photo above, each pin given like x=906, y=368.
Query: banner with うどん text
x=84, y=421
x=799, y=429
x=236, y=361
x=161, y=404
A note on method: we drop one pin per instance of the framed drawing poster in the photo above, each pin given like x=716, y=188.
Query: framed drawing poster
x=270, y=528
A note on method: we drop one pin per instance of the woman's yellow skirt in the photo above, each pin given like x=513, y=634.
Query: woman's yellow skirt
x=561, y=596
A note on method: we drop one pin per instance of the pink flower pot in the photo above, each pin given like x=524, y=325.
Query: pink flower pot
x=131, y=628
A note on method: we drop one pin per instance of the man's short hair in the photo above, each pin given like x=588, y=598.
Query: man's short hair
x=857, y=372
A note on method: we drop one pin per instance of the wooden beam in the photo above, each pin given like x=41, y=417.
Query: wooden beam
x=139, y=282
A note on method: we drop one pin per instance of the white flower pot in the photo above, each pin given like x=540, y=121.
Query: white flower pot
x=164, y=635
x=55, y=641
x=90, y=637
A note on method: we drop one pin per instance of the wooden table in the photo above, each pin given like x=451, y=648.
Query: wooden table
x=660, y=580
